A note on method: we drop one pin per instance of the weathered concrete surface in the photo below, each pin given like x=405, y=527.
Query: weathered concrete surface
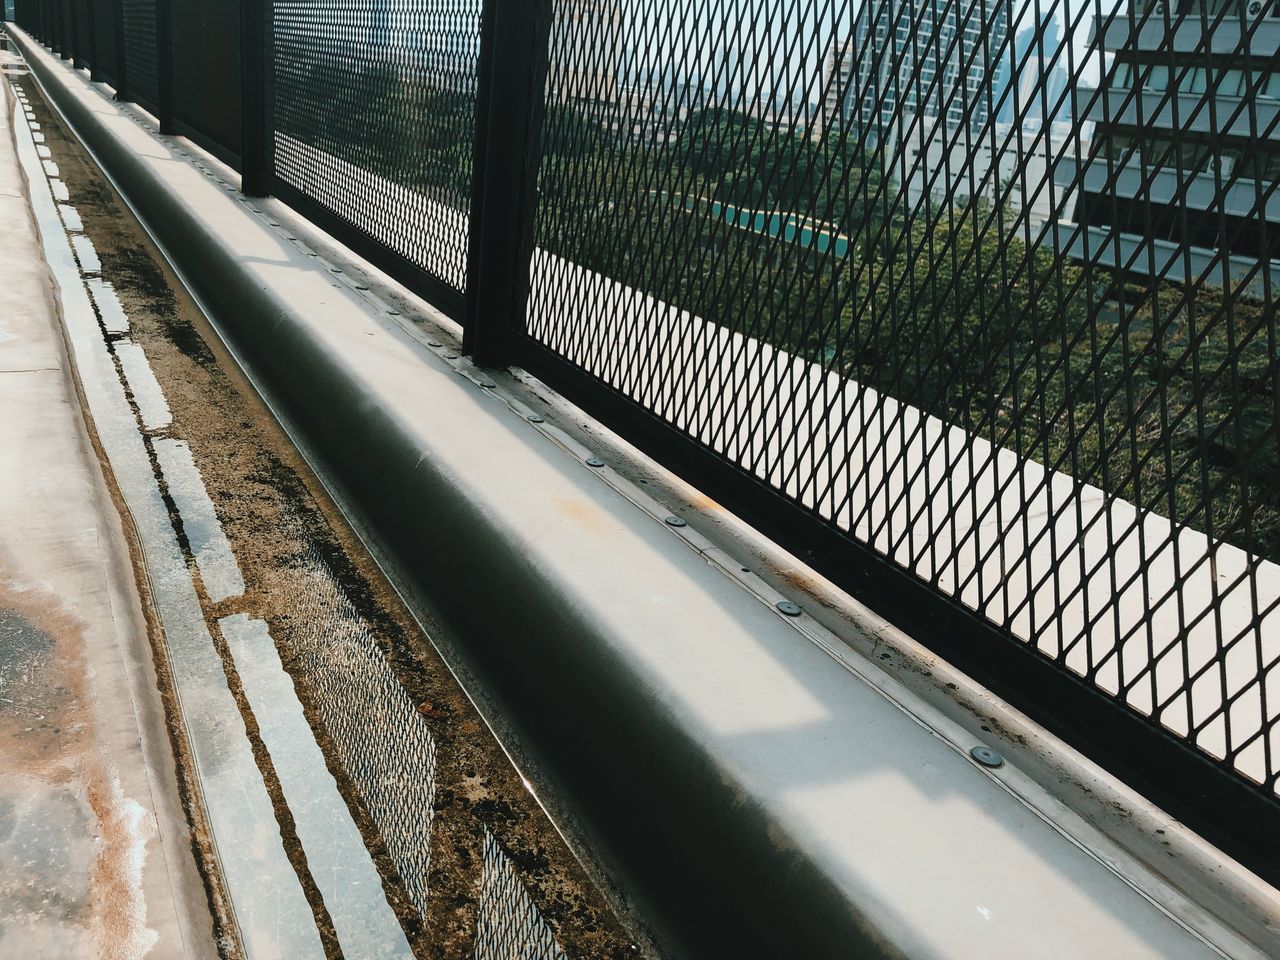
x=95, y=854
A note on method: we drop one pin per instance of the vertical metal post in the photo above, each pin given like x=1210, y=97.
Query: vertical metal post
x=78, y=36
x=122, y=59
x=253, y=96
x=63, y=46
x=515, y=35
x=95, y=68
x=164, y=65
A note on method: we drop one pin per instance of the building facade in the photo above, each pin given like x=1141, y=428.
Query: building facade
x=927, y=60
x=586, y=36
x=1181, y=179
x=940, y=90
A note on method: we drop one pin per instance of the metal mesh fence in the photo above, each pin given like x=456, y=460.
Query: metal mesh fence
x=142, y=70
x=374, y=121
x=982, y=285
x=206, y=73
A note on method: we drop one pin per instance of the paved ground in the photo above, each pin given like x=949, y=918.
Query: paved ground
x=95, y=854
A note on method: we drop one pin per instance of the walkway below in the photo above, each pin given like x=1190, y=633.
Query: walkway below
x=95, y=853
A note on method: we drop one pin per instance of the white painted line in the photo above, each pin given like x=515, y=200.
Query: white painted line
x=59, y=190
x=43, y=152
x=71, y=217
x=86, y=254
x=109, y=308
x=51, y=168
x=144, y=386
x=336, y=854
x=218, y=567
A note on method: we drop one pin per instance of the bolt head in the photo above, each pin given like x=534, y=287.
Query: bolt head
x=789, y=608
x=535, y=419
x=674, y=522
x=986, y=756
x=595, y=462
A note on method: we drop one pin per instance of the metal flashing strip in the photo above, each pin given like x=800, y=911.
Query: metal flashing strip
x=761, y=789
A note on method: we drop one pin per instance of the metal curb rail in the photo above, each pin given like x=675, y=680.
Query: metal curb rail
x=756, y=796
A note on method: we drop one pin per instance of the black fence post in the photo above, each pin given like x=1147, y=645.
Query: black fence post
x=164, y=66
x=95, y=68
x=515, y=35
x=63, y=41
x=79, y=38
x=253, y=96
x=122, y=60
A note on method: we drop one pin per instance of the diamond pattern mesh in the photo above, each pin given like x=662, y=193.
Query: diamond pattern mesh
x=141, y=72
x=510, y=926
x=984, y=286
x=374, y=120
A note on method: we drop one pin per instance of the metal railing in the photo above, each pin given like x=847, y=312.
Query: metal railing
x=968, y=302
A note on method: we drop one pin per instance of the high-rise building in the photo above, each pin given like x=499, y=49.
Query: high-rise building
x=908, y=59
x=921, y=83
x=1034, y=80
x=586, y=37
x=1181, y=180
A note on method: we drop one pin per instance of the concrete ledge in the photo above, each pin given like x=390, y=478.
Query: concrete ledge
x=758, y=795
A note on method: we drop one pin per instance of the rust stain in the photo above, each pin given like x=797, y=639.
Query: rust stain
x=702, y=502
x=51, y=738
x=798, y=580
x=585, y=514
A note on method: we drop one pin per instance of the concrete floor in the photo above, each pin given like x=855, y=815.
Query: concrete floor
x=95, y=851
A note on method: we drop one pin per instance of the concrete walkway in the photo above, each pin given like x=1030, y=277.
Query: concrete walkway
x=95, y=852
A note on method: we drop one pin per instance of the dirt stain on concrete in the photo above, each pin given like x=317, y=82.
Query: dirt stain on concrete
x=60, y=794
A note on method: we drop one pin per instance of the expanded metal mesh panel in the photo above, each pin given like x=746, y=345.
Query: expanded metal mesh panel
x=104, y=39
x=985, y=286
x=374, y=120
x=206, y=71
x=141, y=71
